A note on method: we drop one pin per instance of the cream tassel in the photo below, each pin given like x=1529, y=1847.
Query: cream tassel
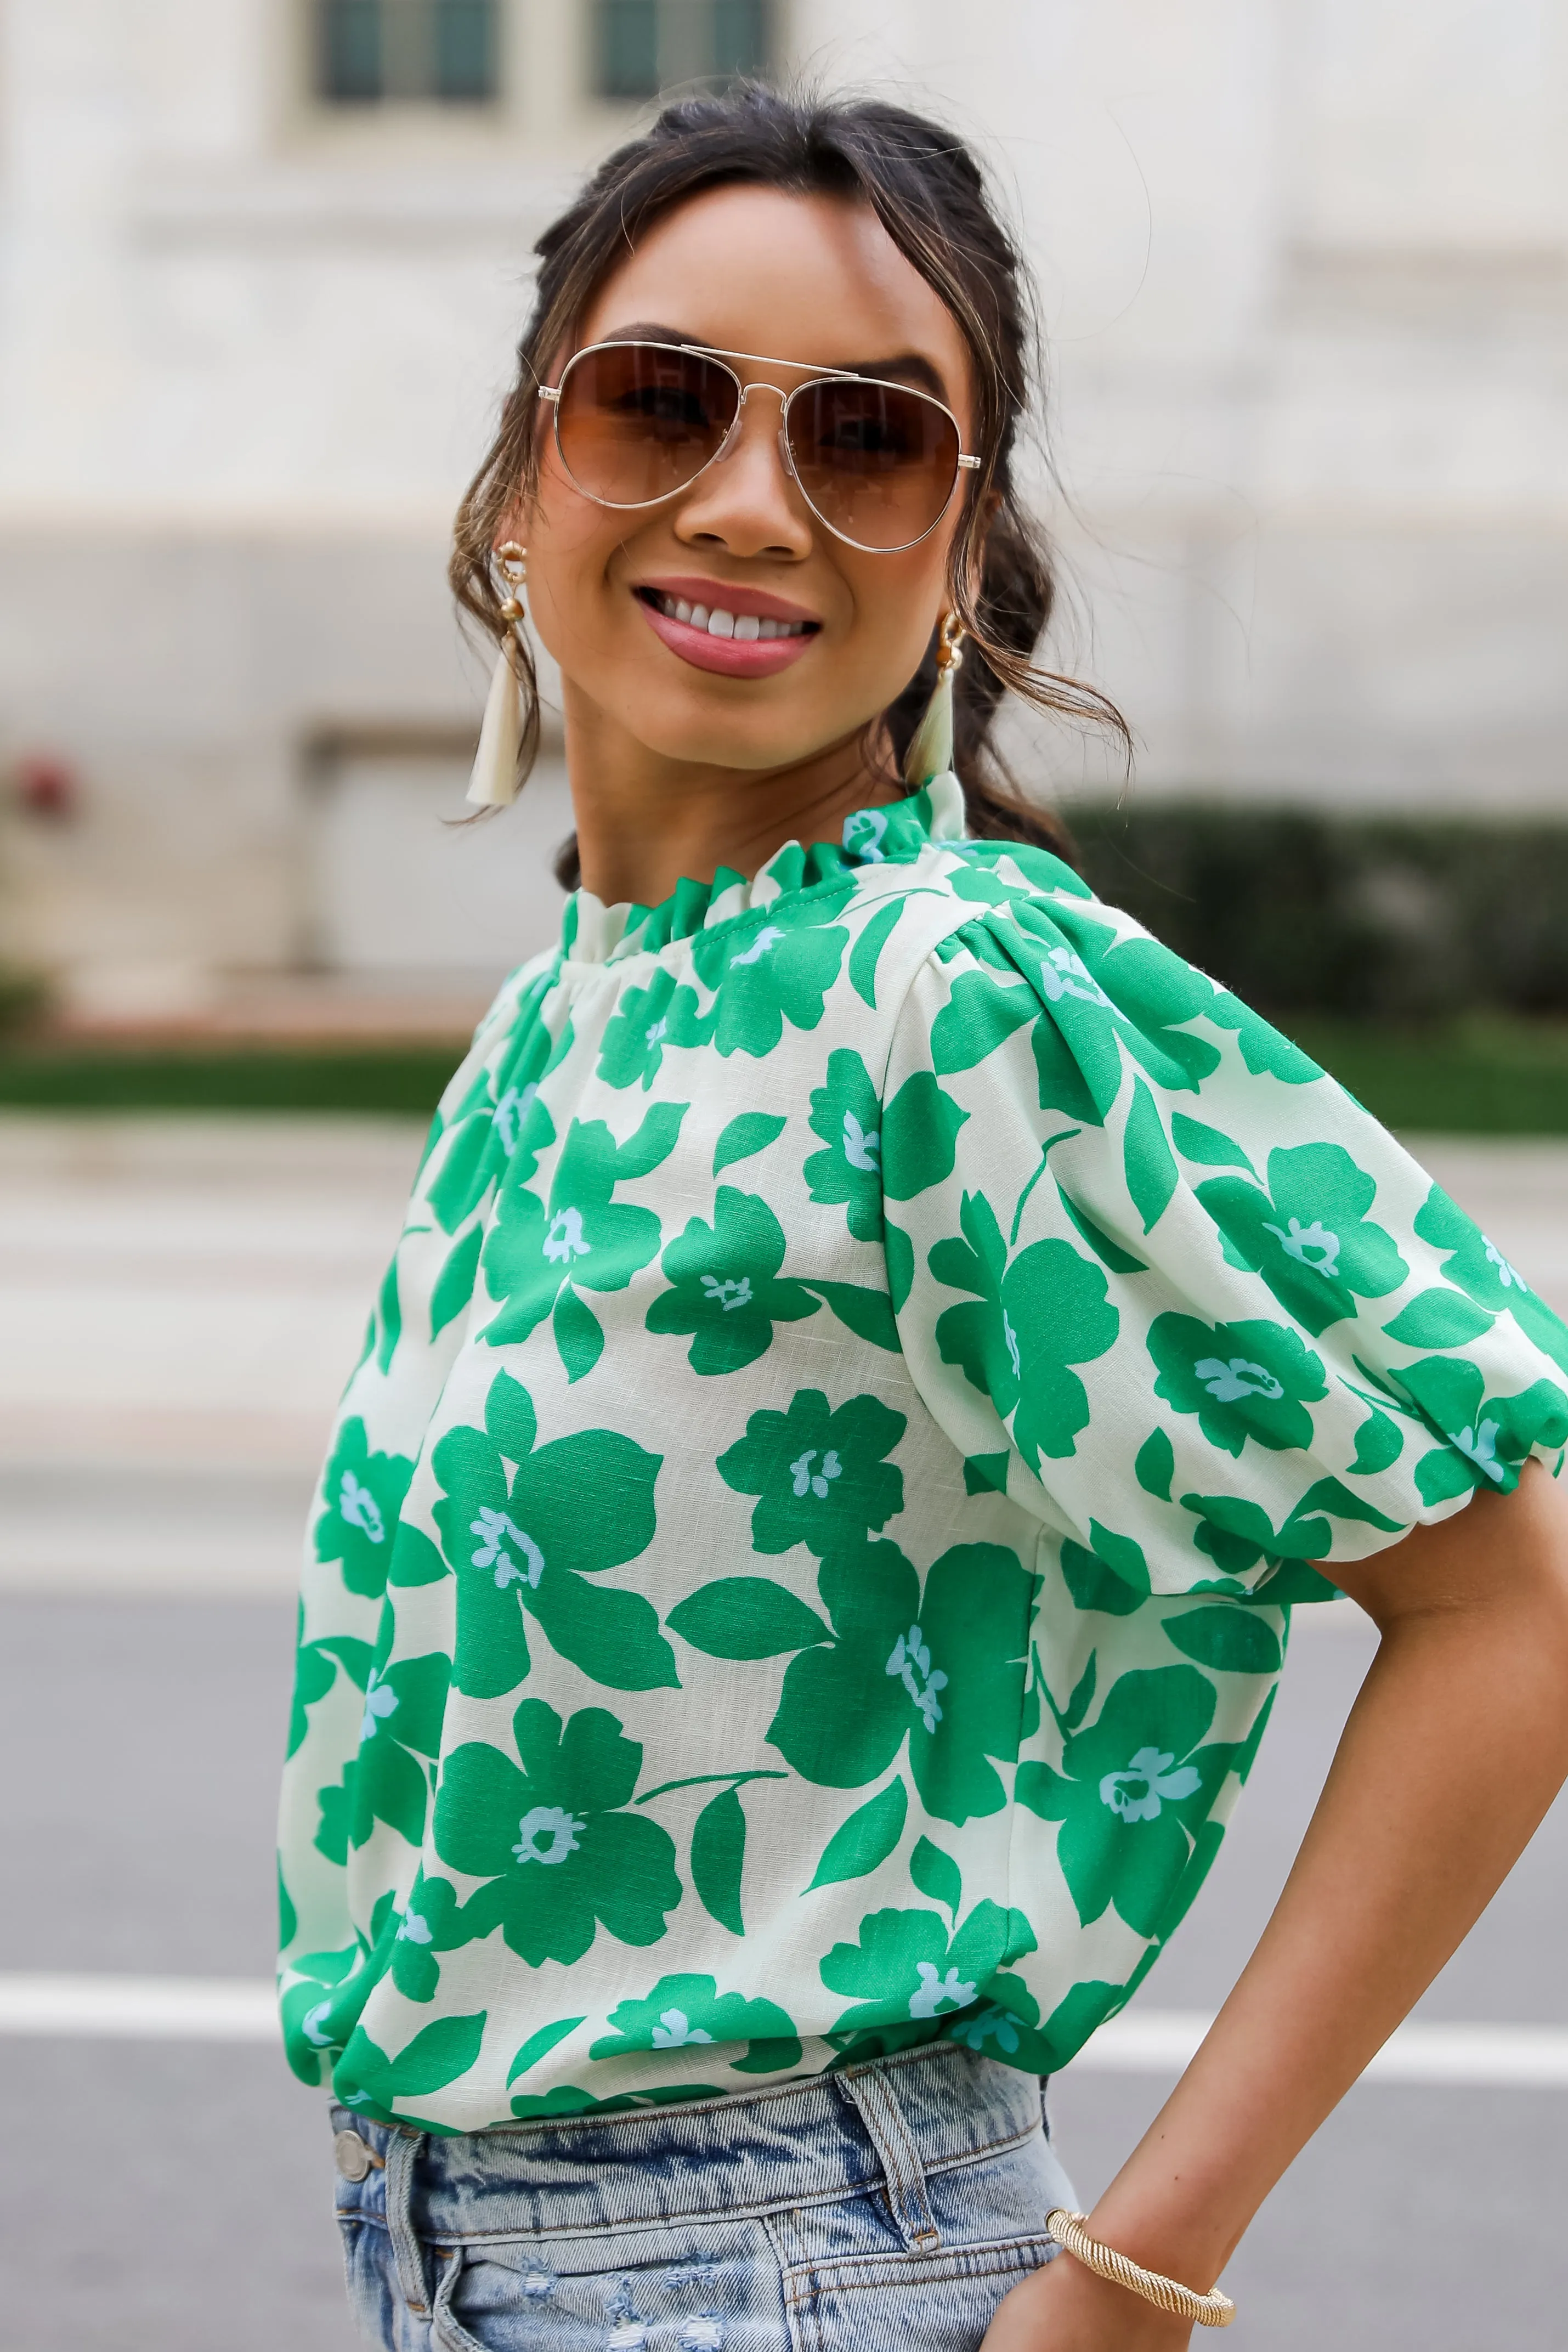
x=930, y=751
x=494, y=782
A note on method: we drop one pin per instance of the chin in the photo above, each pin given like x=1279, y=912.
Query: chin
x=724, y=738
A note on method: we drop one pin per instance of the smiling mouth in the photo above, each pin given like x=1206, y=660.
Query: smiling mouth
x=745, y=628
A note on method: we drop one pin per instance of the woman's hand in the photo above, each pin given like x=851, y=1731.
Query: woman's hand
x=1065, y=2308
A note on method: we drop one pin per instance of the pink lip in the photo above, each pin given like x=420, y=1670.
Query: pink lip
x=728, y=656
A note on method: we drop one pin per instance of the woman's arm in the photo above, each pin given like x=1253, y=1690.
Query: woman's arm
x=1455, y=1746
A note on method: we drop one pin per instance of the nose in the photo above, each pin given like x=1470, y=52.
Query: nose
x=748, y=501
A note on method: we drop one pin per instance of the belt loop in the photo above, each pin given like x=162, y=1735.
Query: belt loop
x=871, y=2088
x=408, y=2254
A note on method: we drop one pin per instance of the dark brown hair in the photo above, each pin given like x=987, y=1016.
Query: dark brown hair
x=929, y=193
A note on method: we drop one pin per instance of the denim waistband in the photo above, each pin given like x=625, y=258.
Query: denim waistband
x=890, y=2122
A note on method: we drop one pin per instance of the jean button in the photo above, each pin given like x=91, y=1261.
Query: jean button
x=354, y=2159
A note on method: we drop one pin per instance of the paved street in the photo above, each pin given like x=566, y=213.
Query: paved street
x=179, y=1303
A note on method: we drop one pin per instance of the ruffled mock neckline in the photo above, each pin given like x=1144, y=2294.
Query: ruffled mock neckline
x=892, y=834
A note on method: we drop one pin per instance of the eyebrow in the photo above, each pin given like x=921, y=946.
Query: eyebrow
x=910, y=367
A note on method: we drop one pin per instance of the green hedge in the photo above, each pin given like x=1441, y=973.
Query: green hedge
x=1377, y=917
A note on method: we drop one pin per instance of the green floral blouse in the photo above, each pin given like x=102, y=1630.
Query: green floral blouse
x=874, y=1354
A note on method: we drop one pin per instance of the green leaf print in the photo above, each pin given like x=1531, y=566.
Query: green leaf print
x=866, y=952
x=454, y=1286
x=1208, y=1145
x=945, y=1671
x=1134, y=1788
x=561, y=1855
x=1035, y=1318
x=1230, y=1640
x=718, y=1858
x=745, y=1136
x=1248, y=1380
x=1150, y=1169
x=1379, y=1442
x=437, y=2055
x=645, y=1022
x=1439, y=1317
x=771, y=967
x=745, y=1617
x=316, y=1665
x=525, y=1542
x=936, y=1875
x=584, y=1236
x=724, y=1287
x=1113, y=1578
x=907, y=1968
x=362, y=1495
x=1309, y=1236
x=862, y=1842
x=1485, y=1274
x=1488, y=1437
x=686, y=2010
x=539, y=2046
x=1154, y=1464
x=821, y=1474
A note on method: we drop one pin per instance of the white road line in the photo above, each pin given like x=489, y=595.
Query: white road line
x=1148, y=2041
x=139, y=2009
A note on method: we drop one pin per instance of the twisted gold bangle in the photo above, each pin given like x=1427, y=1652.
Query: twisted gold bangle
x=1214, y=2310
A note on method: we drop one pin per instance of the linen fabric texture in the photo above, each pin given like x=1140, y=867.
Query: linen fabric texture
x=873, y=2210
x=874, y=1354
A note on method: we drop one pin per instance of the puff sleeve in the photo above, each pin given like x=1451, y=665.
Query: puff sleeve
x=1200, y=1312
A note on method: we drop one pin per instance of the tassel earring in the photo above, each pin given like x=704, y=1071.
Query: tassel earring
x=930, y=751
x=494, y=782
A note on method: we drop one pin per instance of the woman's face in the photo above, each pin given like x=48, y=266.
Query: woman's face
x=801, y=279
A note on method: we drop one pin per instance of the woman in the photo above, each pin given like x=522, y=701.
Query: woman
x=877, y=1349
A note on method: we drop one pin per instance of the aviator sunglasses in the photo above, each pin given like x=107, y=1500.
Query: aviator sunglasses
x=637, y=422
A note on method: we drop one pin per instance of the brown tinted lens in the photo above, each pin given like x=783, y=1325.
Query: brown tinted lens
x=877, y=463
x=636, y=422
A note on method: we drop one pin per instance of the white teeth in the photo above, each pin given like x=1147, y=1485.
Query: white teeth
x=747, y=627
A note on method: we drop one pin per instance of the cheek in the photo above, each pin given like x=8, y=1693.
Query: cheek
x=570, y=543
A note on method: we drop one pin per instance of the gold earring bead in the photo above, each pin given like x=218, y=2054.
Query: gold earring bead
x=511, y=562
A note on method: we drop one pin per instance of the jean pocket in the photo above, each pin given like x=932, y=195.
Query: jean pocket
x=940, y=2301
x=520, y=2295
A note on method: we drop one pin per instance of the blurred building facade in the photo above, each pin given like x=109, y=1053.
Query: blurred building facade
x=1304, y=269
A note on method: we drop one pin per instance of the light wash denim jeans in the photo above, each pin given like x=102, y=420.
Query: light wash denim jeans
x=888, y=2207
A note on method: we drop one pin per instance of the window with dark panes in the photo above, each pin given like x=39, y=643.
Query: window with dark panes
x=641, y=47
x=374, y=52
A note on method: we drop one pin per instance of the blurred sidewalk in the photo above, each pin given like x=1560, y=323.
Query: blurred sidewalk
x=181, y=1300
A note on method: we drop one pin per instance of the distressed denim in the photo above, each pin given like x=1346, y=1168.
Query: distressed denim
x=886, y=2208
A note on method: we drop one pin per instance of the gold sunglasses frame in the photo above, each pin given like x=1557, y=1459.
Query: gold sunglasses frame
x=966, y=462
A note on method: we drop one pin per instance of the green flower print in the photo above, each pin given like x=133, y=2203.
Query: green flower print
x=684, y=2012
x=526, y=1542
x=561, y=1856
x=906, y=1969
x=322, y=2007
x=500, y=1120
x=771, y=967
x=1482, y=1271
x=821, y=1474
x=1309, y=1236
x=943, y=1670
x=362, y=1495
x=647, y=1021
x=1033, y=1320
x=870, y=1152
x=724, y=1287
x=583, y=1240
x=1242, y=1380
x=1133, y=1790
x=405, y=1706
x=1488, y=1437
x=432, y=1922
